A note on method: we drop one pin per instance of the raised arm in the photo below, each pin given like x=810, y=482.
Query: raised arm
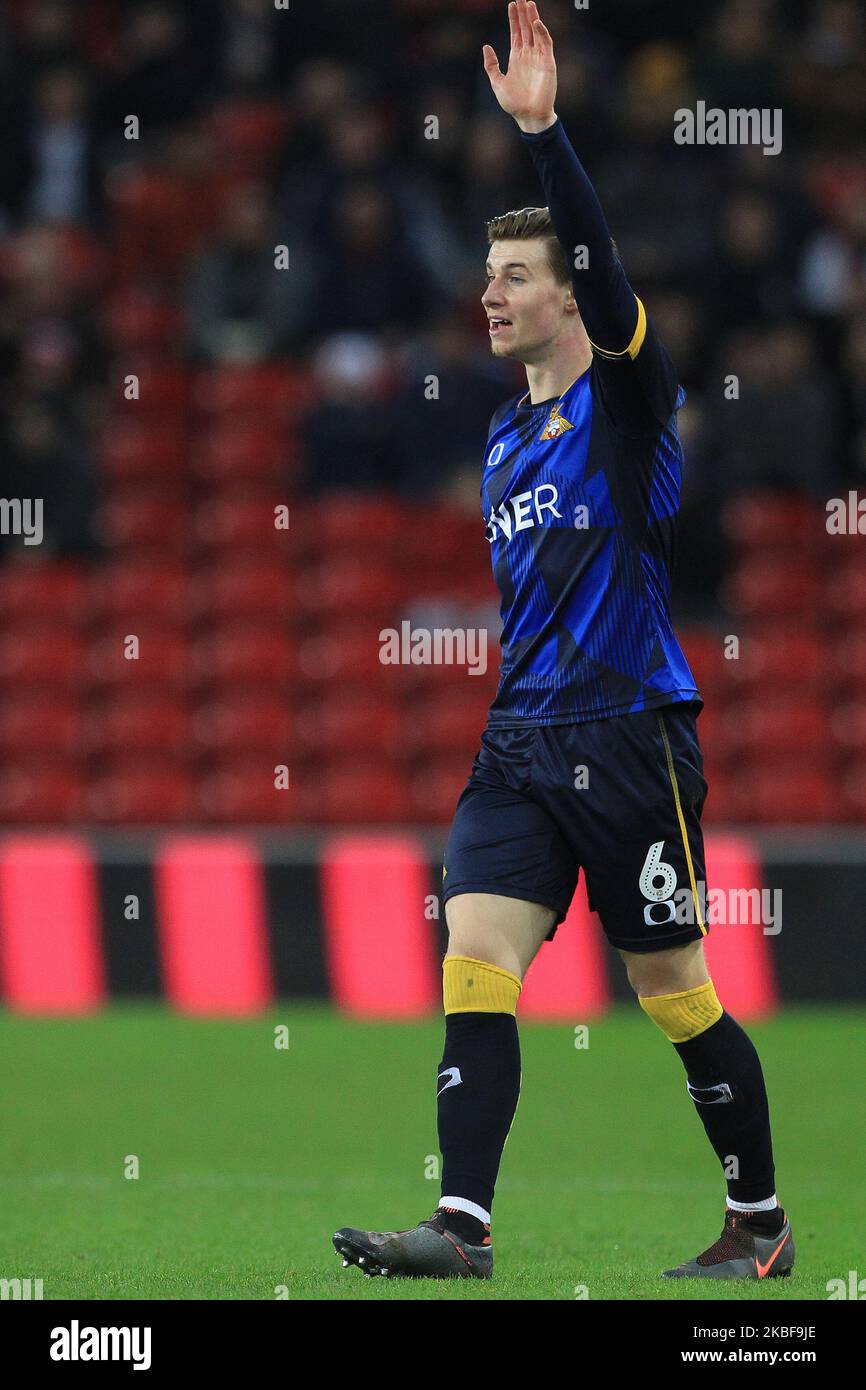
x=638, y=381
x=612, y=315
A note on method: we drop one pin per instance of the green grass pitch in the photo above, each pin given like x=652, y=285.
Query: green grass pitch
x=251, y=1156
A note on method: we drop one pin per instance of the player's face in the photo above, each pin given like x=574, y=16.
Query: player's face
x=524, y=302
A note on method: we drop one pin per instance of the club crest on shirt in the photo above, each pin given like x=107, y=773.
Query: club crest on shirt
x=556, y=425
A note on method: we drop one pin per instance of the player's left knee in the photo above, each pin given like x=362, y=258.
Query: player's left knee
x=683, y=1014
x=666, y=972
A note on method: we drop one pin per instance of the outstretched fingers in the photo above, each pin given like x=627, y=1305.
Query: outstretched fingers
x=524, y=24
x=543, y=39
x=514, y=27
x=491, y=62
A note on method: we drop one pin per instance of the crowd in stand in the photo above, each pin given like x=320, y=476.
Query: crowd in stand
x=379, y=155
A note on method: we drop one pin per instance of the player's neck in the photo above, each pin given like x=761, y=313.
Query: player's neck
x=549, y=380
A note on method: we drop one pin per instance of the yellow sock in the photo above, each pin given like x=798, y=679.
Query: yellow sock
x=685, y=1014
x=474, y=986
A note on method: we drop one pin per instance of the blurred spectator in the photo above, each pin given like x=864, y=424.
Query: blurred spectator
x=45, y=457
x=781, y=430
x=834, y=259
x=440, y=431
x=253, y=44
x=349, y=437
x=739, y=65
x=357, y=151
x=241, y=308
x=828, y=79
x=752, y=277
x=368, y=275
x=64, y=182
x=854, y=363
x=385, y=226
x=164, y=72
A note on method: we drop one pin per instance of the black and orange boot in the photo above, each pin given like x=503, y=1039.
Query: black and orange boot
x=753, y=1245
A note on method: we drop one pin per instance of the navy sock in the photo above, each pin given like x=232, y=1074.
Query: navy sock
x=726, y=1083
x=478, y=1087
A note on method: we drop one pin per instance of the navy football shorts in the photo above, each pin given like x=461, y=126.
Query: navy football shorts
x=619, y=798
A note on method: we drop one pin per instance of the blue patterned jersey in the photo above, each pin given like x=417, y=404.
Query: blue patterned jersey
x=581, y=520
x=581, y=494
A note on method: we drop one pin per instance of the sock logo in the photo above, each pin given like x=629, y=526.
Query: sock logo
x=455, y=1079
x=719, y=1094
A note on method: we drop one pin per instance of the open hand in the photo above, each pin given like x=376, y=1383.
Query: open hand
x=528, y=89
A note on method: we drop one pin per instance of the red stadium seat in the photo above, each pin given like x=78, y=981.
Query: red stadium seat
x=145, y=521
x=348, y=586
x=164, y=387
x=722, y=805
x=371, y=793
x=274, y=391
x=779, y=657
x=349, y=655
x=361, y=525
x=258, y=656
x=141, y=450
x=451, y=679
x=245, y=722
x=137, y=319
x=847, y=660
x=245, y=451
x=163, y=659
x=782, y=794
x=48, y=725
x=845, y=592
x=764, y=587
x=773, y=521
x=435, y=790
x=150, y=723
x=352, y=721
x=786, y=723
x=35, y=593
x=705, y=650
x=449, y=547
x=231, y=592
x=852, y=792
x=40, y=656
x=450, y=722
x=235, y=522
x=847, y=728
x=241, y=789
x=248, y=134
x=141, y=792
x=126, y=592
x=41, y=792
x=161, y=216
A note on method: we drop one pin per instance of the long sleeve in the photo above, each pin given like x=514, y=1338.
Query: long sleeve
x=615, y=320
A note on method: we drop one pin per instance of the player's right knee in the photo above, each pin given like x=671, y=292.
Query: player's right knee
x=476, y=986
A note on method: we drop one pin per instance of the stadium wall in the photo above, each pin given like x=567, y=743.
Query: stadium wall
x=230, y=923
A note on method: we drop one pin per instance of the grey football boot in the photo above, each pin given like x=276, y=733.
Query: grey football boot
x=741, y=1252
x=426, y=1251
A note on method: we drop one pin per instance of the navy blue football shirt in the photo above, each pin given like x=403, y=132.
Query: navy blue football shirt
x=580, y=496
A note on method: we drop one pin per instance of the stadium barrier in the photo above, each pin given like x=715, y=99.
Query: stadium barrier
x=225, y=924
